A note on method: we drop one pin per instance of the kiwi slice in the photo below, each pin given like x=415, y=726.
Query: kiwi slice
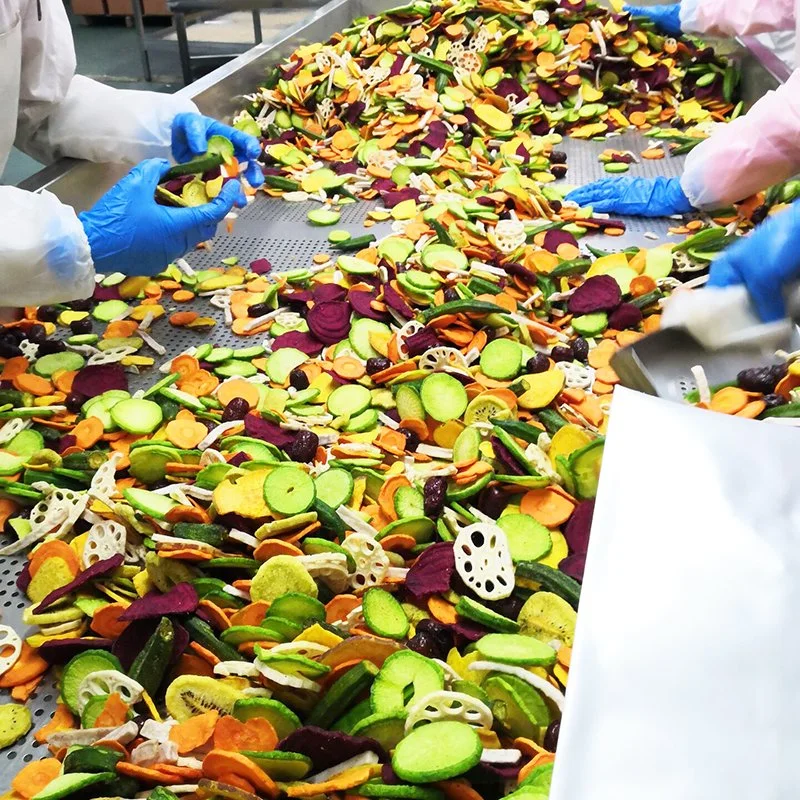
x=189, y=695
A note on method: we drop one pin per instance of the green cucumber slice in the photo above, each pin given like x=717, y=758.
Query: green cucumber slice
x=443, y=258
x=150, y=503
x=78, y=668
x=91, y=759
x=298, y=607
x=282, y=362
x=409, y=502
x=365, y=421
x=53, y=362
x=401, y=671
x=469, y=608
x=409, y=405
x=359, y=336
x=221, y=146
x=137, y=416
x=384, y=615
x=290, y=664
x=281, y=765
x=289, y=490
x=376, y=788
x=343, y=693
x=334, y=487
x=236, y=369
x=73, y=782
x=349, y=400
x=240, y=634
x=388, y=729
x=466, y=447
x=249, y=352
x=323, y=216
x=590, y=324
x=281, y=717
x=109, y=309
x=528, y=540
x=219, y=354
x=512, y=648
x=436, y=752
x=501, y=359
x=356, y=266
x=517, y=707
x=421, y=528
x=338, y=236
x=443, y=397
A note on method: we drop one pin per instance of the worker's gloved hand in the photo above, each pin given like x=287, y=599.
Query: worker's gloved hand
x=666, y=17
x=638, y=197
x=129, y=232
x=190, y=135
x=765, y=262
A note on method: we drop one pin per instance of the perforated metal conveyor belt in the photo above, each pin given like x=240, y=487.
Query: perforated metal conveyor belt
x=278, y=230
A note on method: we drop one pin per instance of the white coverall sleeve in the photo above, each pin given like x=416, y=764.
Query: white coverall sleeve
x=749, y=154
x=736, y=17
x=63, y=114
x=44, y=252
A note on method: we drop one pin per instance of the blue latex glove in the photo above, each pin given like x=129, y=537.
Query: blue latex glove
x=666, y=17
x=765, y=261
x=129, y=232
x=190, y=135
x=638, y=197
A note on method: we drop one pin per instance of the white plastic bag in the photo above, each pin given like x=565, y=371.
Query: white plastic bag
x=683, y=681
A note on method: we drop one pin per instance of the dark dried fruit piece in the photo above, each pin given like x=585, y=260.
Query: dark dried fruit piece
x=258, y=310
x=412, y=439
x=304, y=447
x=47, y=313
x=761, y=379
x=580, y=349
x=298, y=379
x=562, y=353
x=551, y=736
x=434, y=493
x=774, y=400
x=81, y=326
x=538, y=363
x=237, y=408
x=377, y=364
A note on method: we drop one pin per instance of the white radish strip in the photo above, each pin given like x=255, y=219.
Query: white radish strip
x=435, y=452
x=541, y=684
x=388, y=421
x=243, y=538
x=183, y=265
x=242, y=669
x=184, y=788
x=152, y=343
x=704, y=390
x=292, y=681
x=510, y=756
x=194, y=544
x=212, y=436
x=354, y=521
x=361, y=760
x=257, y=321
x=234, y=592
x=157, y=731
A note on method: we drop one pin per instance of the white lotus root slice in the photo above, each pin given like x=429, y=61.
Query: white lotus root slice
x=443, y=358
x=469, y=61
x=576, y=376
x=372, y=563
x=12, y=428
x=109, y=681
x=483, y=561
x=103, y=482
x=111, y=356
x=57, y=508
x=106, y=539
x=10, y=648
x=452, y=706
x=509, y=234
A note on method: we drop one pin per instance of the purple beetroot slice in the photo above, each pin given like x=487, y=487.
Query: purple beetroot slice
x=392, y=199
x=579, y=526
x=59, y=651
x=260, y=266
x=24, y=577
x=421, y=341
x=361, y=300
x=98, y=378
x=574, y=566
x=330, y=321
x=553, y=239
x=97, y=570
x=598, y=293
x=432, y=571
x=326, y=748
x=625, y=316
x=300, y=340
x=504, y=456
x=180, y=599
x=396, y=302
x=329, y=291
x=260, y=428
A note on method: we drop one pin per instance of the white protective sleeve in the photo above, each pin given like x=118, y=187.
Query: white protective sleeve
x=737, y=17
x=749, y=154
x=63, y=114
x=44, y=253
